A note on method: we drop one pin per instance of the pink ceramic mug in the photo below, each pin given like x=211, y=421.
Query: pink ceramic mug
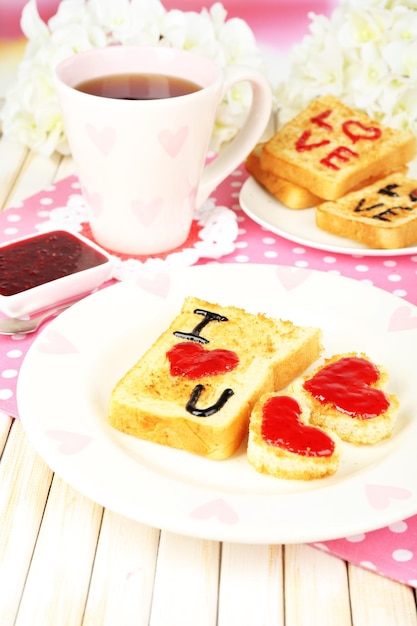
x=141, y=163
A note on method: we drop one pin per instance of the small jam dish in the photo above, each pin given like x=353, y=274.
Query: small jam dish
x=41, y=270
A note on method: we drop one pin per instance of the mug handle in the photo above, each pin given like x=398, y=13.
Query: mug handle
x=247, y=137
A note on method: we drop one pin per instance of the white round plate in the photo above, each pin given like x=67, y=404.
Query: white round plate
x=299, y=225
x=69, y=372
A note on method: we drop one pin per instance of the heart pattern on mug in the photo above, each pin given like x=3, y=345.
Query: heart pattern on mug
x=192, y=360
x=173, y=142
x=103, y=138
x=219, y=509
x=282, y=427
x=147, y=212
x=192, y=197
x=94, y=201
x=402, y=319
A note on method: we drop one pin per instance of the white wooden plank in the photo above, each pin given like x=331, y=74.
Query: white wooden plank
x=12, y=157
x=57, y=585
x=66, y=168
x=25, y=481
x=251, y=586
x=316, y=588
x=378, y=600
x=123, y=576
x=186, y=582
x=5, y=425
x=37, y=173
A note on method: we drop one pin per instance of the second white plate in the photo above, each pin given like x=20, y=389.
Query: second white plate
x=300, y=227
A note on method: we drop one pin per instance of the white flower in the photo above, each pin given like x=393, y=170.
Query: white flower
x=31, y=113
x=365, y=54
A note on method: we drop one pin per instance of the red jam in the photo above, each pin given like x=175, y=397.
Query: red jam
x=282, y=428
x=371, y=133
x=341, y=154
x=303, y=146
x=346, y=384
x=319, y=120
x=192, y=361
x=43, y=258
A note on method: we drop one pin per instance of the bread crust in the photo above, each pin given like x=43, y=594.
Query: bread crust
x=150, y=403
x=331, y=149
x=381, y=216
x=291, y=195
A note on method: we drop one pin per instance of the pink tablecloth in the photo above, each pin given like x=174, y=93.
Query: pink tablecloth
x=390, y=551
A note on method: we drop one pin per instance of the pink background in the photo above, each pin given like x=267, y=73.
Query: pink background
x=278, y=22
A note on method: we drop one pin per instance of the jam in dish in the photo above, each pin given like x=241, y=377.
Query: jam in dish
x=43, y=258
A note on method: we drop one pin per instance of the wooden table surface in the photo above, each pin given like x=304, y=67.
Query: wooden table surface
x=66, y=561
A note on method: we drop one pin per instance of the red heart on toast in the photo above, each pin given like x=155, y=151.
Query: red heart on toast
x=192, y=360
x=369, y=132
x=282, y=427
x=346, y=384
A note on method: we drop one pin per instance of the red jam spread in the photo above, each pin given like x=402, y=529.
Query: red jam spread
x=346, y=384
x=192, y=361
x=282, y=428
x=302, y=144
x=356, y=130
x=43, y=258
x=319, y=120
x=340, y=154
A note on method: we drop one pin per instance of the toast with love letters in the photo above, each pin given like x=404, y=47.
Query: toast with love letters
x=195, y=387
x=380, y=216
x=331, y=149
x=292, y=195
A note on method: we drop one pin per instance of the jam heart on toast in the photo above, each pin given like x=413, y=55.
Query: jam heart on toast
x=347, y=385
x=283, y=428
x=192, y=361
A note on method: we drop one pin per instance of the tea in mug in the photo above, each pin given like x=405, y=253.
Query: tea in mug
x=138, y=86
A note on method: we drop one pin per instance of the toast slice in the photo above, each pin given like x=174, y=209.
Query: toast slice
x=382, y=215
x=283, y=444
x=195, y=387
x=291, y=195
x=331, y=149
x=346, y=396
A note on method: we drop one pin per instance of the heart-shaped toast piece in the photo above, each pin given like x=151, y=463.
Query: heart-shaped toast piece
x=346, y=397
x=283, y=444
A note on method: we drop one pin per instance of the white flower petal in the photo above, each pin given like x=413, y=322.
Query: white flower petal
x=31, y=24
